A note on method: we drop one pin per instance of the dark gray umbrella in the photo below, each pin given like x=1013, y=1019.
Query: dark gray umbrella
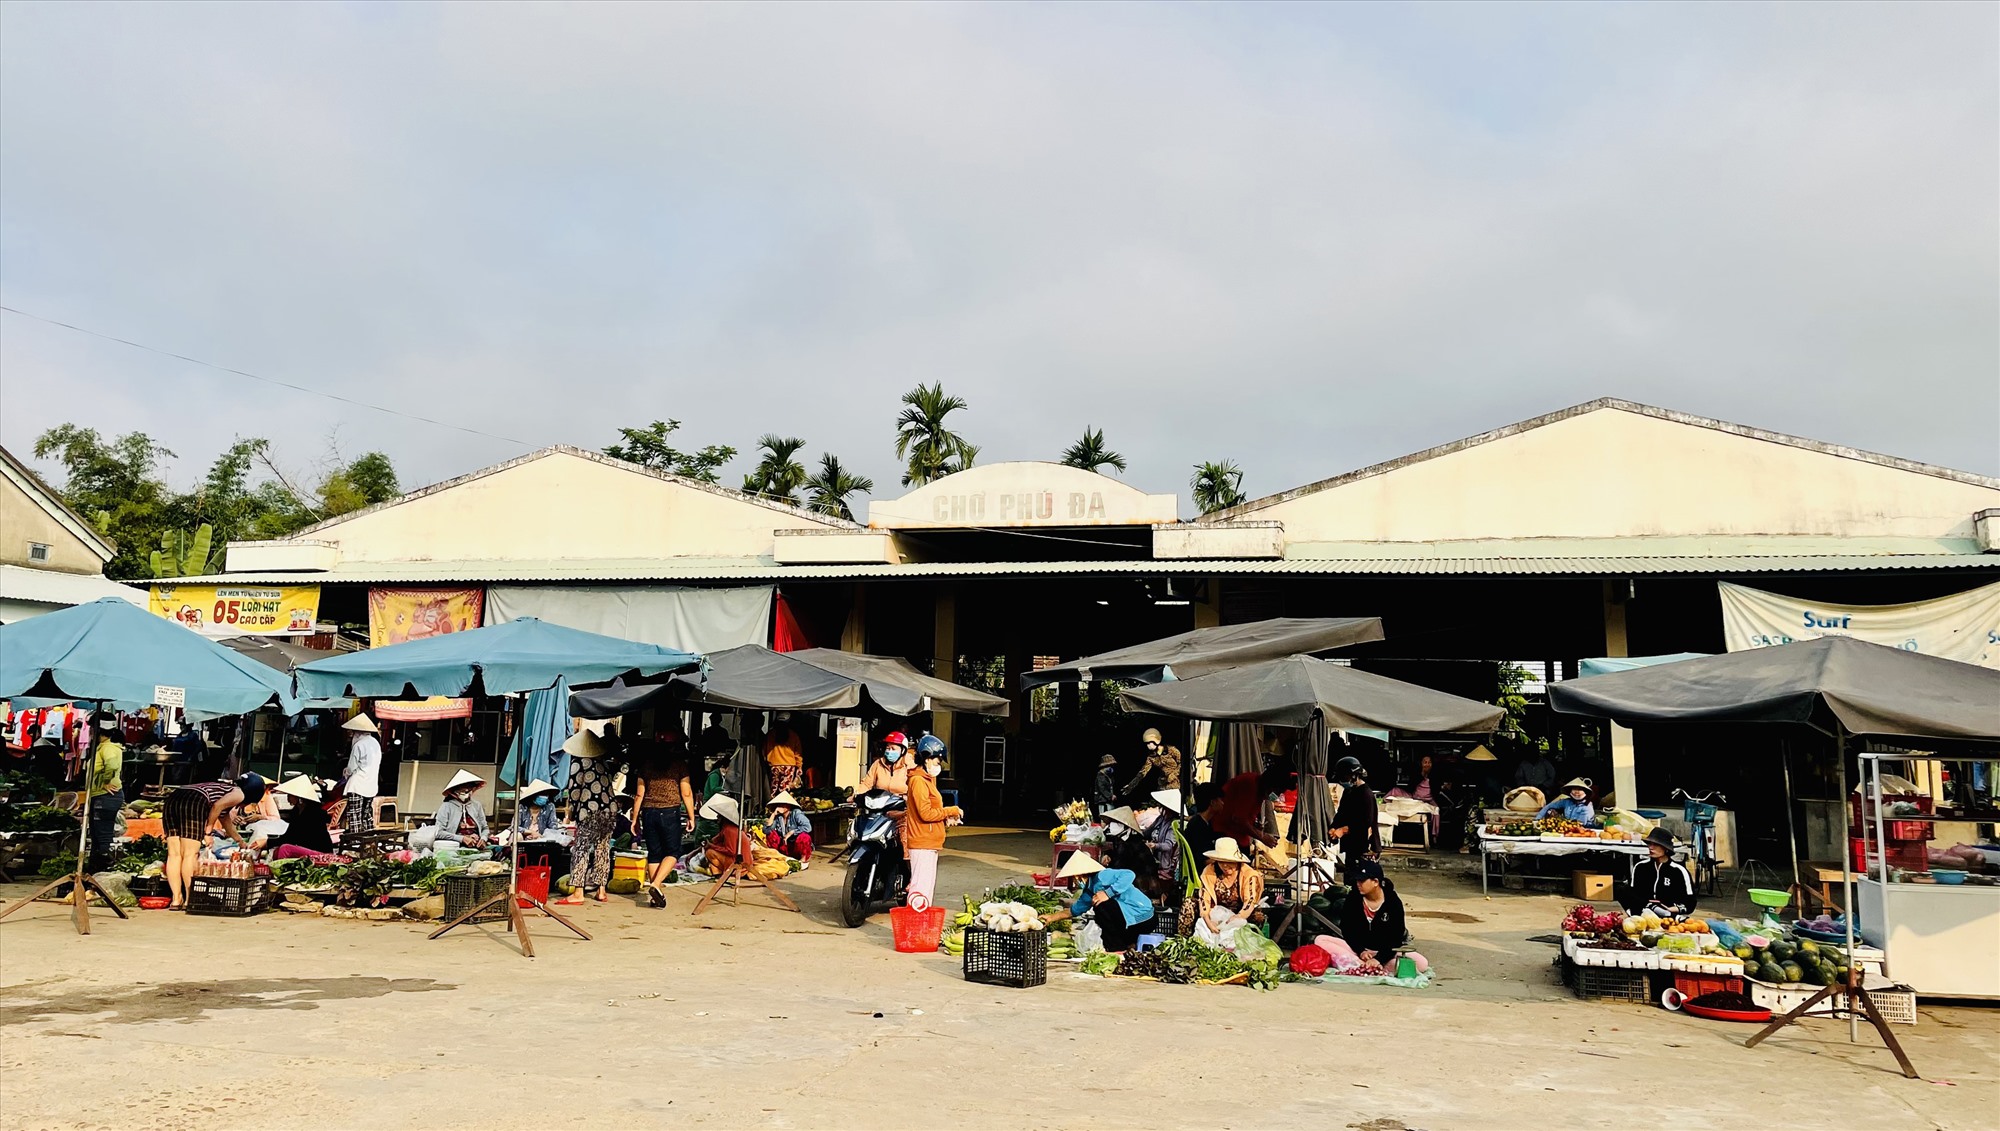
x=1835, y=683
x=898, y=687
x=1206, y=650
x=751, y=677
x=1289, y=692
x=1319, y=696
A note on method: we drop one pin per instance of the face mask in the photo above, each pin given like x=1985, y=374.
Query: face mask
x=892, y=755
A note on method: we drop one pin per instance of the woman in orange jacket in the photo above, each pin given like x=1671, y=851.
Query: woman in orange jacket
x=925, y=819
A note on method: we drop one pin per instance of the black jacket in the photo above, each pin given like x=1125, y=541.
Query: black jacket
x=1356, y=813
x=1383, y=936
x=1665, y=882
x=1104, y=792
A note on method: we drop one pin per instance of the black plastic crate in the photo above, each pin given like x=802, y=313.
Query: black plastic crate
x=221, y=895
x=1611, y=983
x=462, y=893
x=1006, y=958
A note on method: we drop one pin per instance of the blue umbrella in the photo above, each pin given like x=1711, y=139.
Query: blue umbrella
x=521, y=655
x=110, y=650
x=544, y=728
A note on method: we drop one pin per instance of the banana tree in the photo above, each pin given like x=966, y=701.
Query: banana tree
x=187, y=555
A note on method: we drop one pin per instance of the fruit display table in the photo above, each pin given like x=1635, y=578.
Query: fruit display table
x=1493, y=848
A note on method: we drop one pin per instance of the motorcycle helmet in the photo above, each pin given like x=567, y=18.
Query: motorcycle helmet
x=930, y=746
x=1348, y=769
x=897, y=739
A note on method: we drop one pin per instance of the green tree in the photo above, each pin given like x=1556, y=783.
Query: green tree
x=368, y=480
x=924, y=439
x=1217, y=486
x=1090, y=453
x=188, y=555
x=829, y=487
x=778, y=474
x=648, y=447
x=117, y=487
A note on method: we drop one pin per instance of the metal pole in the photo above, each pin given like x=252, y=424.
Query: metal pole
x=1791, y=827
x=1847, y=882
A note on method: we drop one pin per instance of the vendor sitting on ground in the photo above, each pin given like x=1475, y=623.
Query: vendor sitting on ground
x=1123, y=911
x=1659, y=883
x=786, y=829
x=1574, y=804
x=460, y=818
x=1371, y=921
x=1229, y=893
x=730, y=845
x=307, y=822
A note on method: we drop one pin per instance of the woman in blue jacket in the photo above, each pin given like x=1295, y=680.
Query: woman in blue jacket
x=1123, y=911
x=1573, y=804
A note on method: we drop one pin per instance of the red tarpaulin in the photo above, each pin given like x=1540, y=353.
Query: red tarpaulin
x=786, y=635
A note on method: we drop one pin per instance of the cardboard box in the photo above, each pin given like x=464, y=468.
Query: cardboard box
x=1594, y=887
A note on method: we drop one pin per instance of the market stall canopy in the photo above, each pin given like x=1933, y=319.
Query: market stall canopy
x=272, y=652
x=1207, y=650
x=521, y=655
x=898, y=687
x=751, y=677
x=111, y=650
x=1605, y=665
x=1289, y=692
x=1867, y=689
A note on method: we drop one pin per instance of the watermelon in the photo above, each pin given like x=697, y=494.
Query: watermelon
x=1782, y=950
x=1794, y=972
x=1770, y=971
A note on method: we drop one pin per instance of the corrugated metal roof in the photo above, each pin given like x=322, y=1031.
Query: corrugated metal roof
x=52, y=587
x=675, y=569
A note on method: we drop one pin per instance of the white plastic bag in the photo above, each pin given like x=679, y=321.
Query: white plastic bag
x=1088, y=936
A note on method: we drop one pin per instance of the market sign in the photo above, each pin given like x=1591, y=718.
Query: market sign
x=239, y=610
x=396, y=616
x=1023, y=494
x=1964, y=626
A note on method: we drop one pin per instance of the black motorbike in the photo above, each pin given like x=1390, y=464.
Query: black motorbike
x=877, y=874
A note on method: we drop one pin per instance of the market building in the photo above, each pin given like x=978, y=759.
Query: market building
x=50, y=556
x=1607, y=529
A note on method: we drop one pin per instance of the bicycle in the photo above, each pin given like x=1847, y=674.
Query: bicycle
x=1700, y=816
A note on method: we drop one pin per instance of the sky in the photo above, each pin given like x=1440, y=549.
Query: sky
x=1303, y=238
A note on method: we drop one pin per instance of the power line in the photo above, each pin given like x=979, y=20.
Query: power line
x=266, y=380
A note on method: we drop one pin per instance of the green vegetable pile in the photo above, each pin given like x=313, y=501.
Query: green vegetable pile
x=61, y=864
x=1100, y=963
x=146, y=850
x=1180, y=961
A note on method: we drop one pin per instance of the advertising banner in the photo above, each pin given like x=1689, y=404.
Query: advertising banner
x=239, y=610
x=1964, y=626
x=397, y=615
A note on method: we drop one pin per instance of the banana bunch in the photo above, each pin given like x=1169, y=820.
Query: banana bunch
x=953, y=942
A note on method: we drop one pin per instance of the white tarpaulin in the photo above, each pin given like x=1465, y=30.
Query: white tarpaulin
x=1964, y=626
x=692, y=620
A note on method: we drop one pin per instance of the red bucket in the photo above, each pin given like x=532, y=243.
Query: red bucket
x=917, y=931
x=534, y=883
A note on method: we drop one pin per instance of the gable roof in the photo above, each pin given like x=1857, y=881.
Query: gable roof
x=46, y=497
x=717, y=489
x=1243, y=510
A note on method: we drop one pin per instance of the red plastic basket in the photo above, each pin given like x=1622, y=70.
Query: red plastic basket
x=534, y=884
x=917, y=932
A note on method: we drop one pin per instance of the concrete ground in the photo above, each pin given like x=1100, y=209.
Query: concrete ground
x=747, y=1018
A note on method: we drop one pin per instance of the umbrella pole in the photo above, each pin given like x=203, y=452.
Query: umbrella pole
x=82, y=883
x=1791, y=824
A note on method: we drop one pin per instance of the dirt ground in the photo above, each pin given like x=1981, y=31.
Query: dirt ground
x=752, y=1018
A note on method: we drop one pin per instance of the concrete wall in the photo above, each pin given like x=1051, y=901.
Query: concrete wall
x=1613, y=473
x=23, y=520
x=561, y=505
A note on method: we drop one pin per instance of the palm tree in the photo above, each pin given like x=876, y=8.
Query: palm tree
x=932, y=449
x=1090, y=453
x=777, y=475
x=1217, y=486
x=829, y=487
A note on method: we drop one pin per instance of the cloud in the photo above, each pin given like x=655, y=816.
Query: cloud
x=1305, y=238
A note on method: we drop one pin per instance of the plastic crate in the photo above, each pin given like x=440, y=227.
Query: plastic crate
x=1609, y=983
x=218, y=895
x=1896, y=1004
x=462, y=893
x=1006, y=958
